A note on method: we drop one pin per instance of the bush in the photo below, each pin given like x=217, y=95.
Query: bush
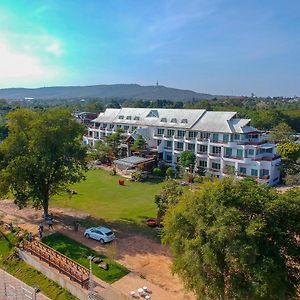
x=198, y=179
x=170, y=172
x=157, y=172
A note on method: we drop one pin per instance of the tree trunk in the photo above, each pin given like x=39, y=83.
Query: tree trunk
x=46, y=204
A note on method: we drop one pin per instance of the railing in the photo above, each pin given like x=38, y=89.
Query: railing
x=55, y=259
x=215, y=154
x=201, y=152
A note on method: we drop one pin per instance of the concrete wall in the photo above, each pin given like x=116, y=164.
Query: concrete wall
x=54, y=275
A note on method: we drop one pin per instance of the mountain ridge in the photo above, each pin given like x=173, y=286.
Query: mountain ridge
x=126, y=91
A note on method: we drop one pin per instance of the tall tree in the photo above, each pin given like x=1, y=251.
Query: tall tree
x=282, y=133
x=41, y=156
x=187, y=160
x=289, y=150
x=139, y=144
x=236, y=240
x=114, y=141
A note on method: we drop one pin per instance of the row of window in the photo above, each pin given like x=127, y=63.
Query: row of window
x=136, y=118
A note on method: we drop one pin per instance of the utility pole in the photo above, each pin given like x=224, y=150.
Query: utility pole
x=91, y=282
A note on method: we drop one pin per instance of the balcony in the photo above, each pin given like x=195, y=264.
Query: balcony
x=215, y=154
x=234, y=157
x=177, y=137
x=178, y=149
x=202, y=152
x=158, y=135
x=252, y=142
x=214, y=170
x=267, y=158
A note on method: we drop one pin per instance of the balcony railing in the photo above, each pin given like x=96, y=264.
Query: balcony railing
x=215, y=154
x=201, y=152
x=214, y=170
x=178, y=137
x=202, y=139
x=267, y=158
x=158, y=134
x=178, y=149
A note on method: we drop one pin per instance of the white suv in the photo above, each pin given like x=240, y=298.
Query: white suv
x=101, y=234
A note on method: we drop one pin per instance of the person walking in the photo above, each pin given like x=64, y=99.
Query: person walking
x=30, y=237
x=40, y=233
x=50, y=223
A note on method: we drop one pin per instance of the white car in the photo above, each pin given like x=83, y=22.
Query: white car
x=101, y=234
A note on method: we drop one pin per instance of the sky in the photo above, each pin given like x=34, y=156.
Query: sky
x=221, y=47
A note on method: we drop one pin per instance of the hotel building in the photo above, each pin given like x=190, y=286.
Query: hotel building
x=223, y=143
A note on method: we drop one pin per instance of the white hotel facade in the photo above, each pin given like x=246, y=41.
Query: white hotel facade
x=223, y=144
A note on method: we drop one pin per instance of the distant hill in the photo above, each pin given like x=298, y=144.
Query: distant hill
x=124, y=91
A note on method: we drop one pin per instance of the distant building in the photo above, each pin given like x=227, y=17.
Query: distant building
x=85, y=118
x=223, y=143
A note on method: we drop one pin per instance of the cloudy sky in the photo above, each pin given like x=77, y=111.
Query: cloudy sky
x=213, y=46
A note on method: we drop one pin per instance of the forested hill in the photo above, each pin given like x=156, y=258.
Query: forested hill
x=125, y=91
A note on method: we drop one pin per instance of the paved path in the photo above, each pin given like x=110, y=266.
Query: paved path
x=13, y=288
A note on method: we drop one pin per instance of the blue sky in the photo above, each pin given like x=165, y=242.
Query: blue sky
x=212, y=46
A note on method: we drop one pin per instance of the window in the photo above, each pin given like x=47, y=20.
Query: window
x=225, y=138
x=204, y=135
x=239, y=152
x=136, y=118
x=169, y=158
x=163, y=120
x=179, y=146
x=216, y=150
x=216, y=166
x=184, y=121
x=254, y=172
x=203, y=163
x=121, y=117
x=264, y=172
x=153, y=114
x=202, y=149
x=191, y=147
x=111, y=126
x=243, y=170
x=174, y=120
x=170, y=132
x=169, y=144
x=215, y=137
x=158, y=142
x=251, y=152
x=236, y=137
x=160, y=131
x=192, y=134
x=228, y=152
x=119, y=126
x=128, y=118
x=126, y=127
x=180, y=133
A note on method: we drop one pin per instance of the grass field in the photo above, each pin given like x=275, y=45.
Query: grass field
x=79, y=253
x=29, y=275
x=101, y=196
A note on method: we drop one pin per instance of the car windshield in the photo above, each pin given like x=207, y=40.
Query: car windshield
x=109, y=233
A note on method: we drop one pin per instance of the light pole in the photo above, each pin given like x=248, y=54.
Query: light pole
x=91, y=283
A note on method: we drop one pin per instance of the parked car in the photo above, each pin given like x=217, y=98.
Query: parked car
x=101, y=234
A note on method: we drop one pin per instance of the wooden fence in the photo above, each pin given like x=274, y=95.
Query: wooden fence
x=55, y=259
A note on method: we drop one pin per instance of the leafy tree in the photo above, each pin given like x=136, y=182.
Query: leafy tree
x=170, y=172
x=101, y=151
x=41, y=156
x=139, y=144
x=289, y=150
x=187, y=160
x=236, y=240
x=282, y=133
x=114, y=141
x=169, y=195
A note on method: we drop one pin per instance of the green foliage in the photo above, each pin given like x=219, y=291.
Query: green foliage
x=282, y=133
x=170, y=172
x=187, y=159
x=101, y=151
x=157, y=172
x=114, y=140
x=139, y=144
x=80, y=253
x=168, y=196
x=41, y=156
x=236, y=240
x=289, y=150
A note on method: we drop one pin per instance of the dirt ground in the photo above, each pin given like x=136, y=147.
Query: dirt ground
x=148, y=261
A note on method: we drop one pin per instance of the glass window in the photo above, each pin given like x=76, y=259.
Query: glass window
x=179, y=145
x=170, y=132
x=216, y=150
x=174, y=120
x=126, y=127
x=251, y=152
x=239, y=152
x=254, y=172
x=204, y=135
x=184, y=121
x=225, y=138
x=169, y=144
x=181, y=133
x=169, y=158
x=243, y=170
x=163, y=120
x=128, y=118
x=191, y=147
x=158, y=142
x=160, y=131
x=236, y=136
x=203, y=163
x=228, y=152
x=215, y=137
x=216, y=166
x=136, y=118
x=202, y=148
x=121, y=117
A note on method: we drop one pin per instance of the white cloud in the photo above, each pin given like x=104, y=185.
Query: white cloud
x=21, y=68
x=55, y=48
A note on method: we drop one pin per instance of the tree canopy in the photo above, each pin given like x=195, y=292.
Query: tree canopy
x=187, y=159
x=236, y=240
x=139, y=143
x=114, y=140
x=41, y=156
x=282, y=133
x=289, y=150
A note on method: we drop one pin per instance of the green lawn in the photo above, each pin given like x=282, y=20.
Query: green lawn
x=79, y=253
x=29, y=275
x=101, y=196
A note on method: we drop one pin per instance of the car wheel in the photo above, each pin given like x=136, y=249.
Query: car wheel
x=87, y=236
x=101, y=241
